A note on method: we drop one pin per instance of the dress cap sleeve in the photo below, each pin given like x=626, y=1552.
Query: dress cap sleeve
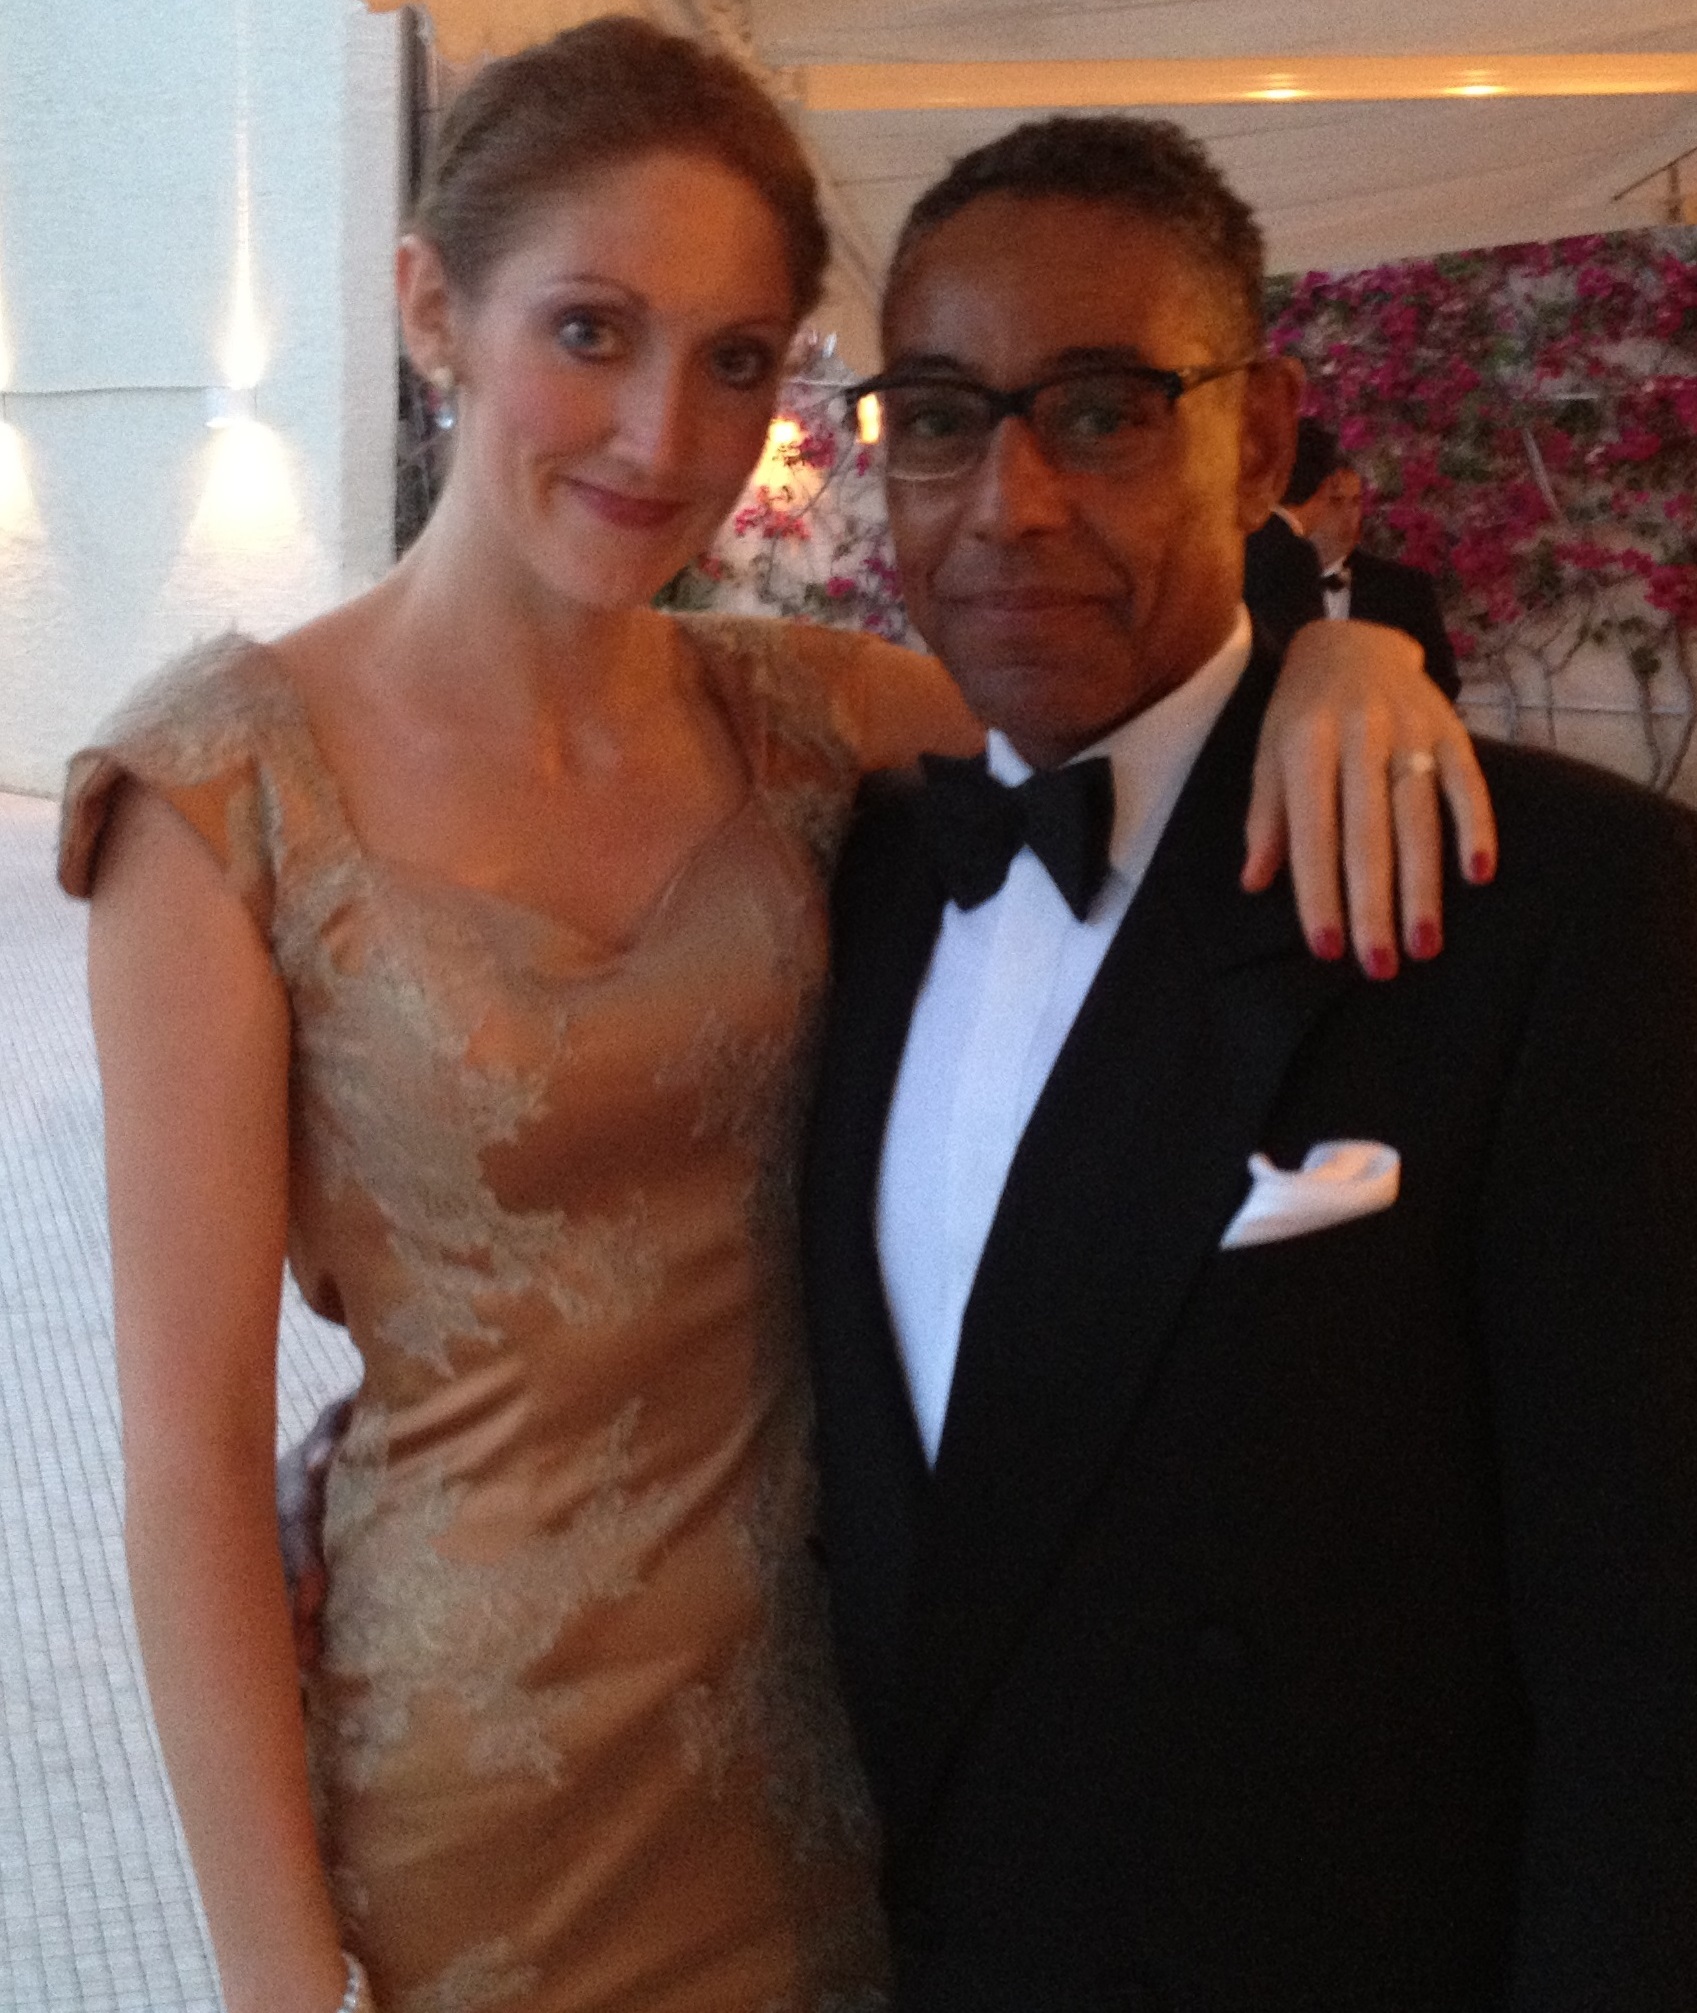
x=196, y=733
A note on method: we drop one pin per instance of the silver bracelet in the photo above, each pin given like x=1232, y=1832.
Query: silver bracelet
x=357, y=1998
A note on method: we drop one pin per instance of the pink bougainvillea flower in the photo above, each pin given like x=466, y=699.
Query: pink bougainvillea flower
x=1528, y=418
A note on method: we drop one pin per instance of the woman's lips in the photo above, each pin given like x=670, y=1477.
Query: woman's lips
x=632, y=513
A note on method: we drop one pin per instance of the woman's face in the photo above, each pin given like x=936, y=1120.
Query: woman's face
x=617, y=375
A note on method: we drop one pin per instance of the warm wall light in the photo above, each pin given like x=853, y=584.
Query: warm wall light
x=776, y=470
x=1224, y=80
x=229, y=405
x=791, y=483
x=249, y=501
x=5, y=349
x=243, y=354
x=1278, y=90
x=17, y=496
x=869, y=420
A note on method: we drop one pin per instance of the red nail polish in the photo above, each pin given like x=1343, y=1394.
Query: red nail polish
x=1327, y=944
x=1428, y=940
x=1380, y=963
x=1481, y=867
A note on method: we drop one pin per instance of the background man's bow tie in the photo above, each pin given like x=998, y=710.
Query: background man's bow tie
x=976, y=825
x=1335, y=580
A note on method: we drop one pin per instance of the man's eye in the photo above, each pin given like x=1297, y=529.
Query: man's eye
x=594, y=337
x=1094, y=414
x=934, y=417
x=1095, y=422
x=743, y=366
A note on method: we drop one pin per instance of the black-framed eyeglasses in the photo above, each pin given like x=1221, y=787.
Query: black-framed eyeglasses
x=1097, y=419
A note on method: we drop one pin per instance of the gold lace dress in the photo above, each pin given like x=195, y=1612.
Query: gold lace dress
x=574, y=1738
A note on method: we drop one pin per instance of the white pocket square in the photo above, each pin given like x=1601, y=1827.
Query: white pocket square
x=1338, y=1180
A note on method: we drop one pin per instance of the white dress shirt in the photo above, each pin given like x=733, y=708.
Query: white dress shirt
x=1336, y=598
x=1005, y=983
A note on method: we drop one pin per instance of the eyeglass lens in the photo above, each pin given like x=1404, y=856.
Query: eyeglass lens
x=1106, y=420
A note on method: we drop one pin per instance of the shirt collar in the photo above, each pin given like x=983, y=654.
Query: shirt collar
x=1152, y=752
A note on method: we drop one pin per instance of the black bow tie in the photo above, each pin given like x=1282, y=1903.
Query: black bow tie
x=976, y=825
x=1336, y=580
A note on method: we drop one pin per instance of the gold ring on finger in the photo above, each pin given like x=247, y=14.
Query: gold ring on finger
x=1413, y=762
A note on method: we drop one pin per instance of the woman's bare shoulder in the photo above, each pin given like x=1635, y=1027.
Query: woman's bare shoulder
x=322, y=658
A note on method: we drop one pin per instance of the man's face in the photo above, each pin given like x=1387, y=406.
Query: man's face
x=1062, y=603
x=1333, y=516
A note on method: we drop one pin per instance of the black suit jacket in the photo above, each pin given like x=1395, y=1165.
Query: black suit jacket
x=1311, y=1626
x=1404, y=597
x=1281, y=580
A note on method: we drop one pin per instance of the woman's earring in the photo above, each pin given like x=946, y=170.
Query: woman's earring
x=444, y=384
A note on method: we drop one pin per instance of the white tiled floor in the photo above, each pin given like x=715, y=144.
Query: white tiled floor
x=97, y=1909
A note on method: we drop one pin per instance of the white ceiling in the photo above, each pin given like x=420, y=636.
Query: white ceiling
x=1336, y=183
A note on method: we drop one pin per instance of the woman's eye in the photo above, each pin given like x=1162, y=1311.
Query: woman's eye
x=592, y=336
x=743, y=366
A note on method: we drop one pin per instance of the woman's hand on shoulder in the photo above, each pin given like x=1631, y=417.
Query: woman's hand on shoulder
x=905, y=704
x=1355, y=749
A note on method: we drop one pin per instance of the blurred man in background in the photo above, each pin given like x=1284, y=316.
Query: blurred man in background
x=1325, y=500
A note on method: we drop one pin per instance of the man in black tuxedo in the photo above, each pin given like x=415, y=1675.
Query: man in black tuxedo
x=1281, y=565
x=1256, y=1592
x=1324, y=499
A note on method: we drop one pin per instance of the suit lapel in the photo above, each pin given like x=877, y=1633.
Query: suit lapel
x=1133, y=1163
x=887, y=913
x=887, y=907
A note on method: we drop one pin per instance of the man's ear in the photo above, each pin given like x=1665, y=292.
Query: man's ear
x=427, y=306
x=1272, y=398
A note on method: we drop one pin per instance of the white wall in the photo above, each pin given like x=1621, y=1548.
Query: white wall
x=128, y=529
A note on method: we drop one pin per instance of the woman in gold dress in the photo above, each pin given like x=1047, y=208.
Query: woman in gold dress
x=462, y=948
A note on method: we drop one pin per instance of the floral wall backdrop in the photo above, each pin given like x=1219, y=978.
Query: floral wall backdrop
x=1526, y=421
x=810, y=538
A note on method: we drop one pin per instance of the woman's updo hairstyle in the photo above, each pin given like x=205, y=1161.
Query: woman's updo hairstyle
x=613, y=90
